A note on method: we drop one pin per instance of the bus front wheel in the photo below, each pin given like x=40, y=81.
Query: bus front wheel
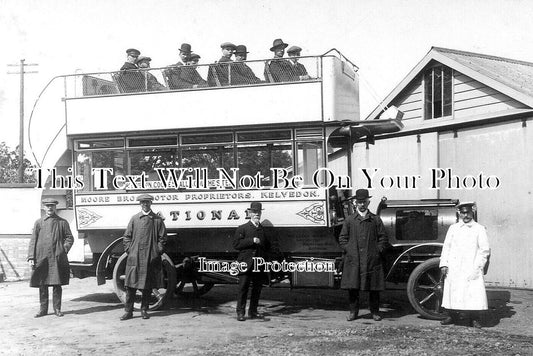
x=160, y=295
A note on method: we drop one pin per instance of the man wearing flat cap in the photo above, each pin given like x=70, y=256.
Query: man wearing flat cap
x=298, y=71
x=251, y=240
x=219, y=73
x=144, y=242
x=174, y=71
x=278, y=69
x=150, y=81
x=364, y=241
x=50, y=242
x=241, y=73
x=129, y=79
x=464, y=255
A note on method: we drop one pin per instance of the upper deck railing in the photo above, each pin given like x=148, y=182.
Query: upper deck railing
x=191, y=77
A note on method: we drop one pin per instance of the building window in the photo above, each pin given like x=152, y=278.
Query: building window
x=438, y=92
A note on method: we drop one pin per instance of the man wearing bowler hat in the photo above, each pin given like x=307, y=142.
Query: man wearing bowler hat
x=278, y=69
x=251, y=241
x=50, y=242
x=241, y=73
x=364, y=241
x=144, y=242
x=220, y=72
x=173, y=73
x=298, y=71
x=464, y=255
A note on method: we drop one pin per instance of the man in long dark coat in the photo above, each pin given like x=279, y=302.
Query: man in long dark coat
x=241, y=73
x=50, y=242
x=129, y=79
x=298, y=71
x=278, y=69
x=173, y=73
x=363, y=240
x=219, y=73
x=251, y=241
x=144, y=242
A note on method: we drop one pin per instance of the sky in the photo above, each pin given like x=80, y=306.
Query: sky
x=384, y=38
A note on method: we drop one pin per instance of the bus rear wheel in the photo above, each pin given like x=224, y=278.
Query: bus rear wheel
x=425, y=290
x=159, y=296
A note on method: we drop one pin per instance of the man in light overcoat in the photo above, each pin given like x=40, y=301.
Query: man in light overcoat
x=464, y=254
x=144, y=242
x=50, y=242
x=364, y=241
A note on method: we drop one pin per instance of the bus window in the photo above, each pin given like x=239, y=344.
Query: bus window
x=148, y=159
x=210, y=157
x=416, y=224
x=310, y=158
x=86, y=161
x=254, y=158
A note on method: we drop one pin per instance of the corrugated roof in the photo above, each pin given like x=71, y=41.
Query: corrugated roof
x=512, y=73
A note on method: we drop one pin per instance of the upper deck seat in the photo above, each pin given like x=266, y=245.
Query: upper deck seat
x=129, y=81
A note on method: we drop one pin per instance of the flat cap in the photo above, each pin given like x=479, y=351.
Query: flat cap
x=133, y=52
x=228, y=45
x=294, y=49
x=143, y=197
x=142, y=58
x=466, y=206
x=49, y=201
x=193, y=56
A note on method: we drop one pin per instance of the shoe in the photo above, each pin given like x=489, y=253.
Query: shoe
x=240, y=317
x=353, y=315
x=376, y=317
x=144, y=314
x=255, y=316
x=40, y=314
x=126, y=316
x=476, y=324
x=58, y=313
x=447, y=321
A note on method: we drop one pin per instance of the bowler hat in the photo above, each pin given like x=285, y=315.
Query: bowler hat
x=228, y=45
x=144, y=197
x=466, y=206
x=142, y=58
x=256, y=206
x=241, y=49
x=361, y=194
x=185, y=48
x=294, y=49
x=49, y=201
x=133, y=52
x=278, y=42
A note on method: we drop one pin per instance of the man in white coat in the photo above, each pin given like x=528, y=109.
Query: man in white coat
x=465, y=252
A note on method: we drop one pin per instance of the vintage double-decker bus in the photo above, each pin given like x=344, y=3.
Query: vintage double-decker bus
x=205, y=152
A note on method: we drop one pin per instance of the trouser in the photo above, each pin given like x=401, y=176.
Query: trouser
x=256, y=279
x=57, y=292
x=373, y=300
x=130, y=299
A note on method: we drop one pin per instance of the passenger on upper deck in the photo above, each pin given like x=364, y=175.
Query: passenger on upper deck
x=278, y=69
x=298, y=70
x=241, y=73
x=189, y=74
x=150, y=81
x=132, y=55
x=130, y=80
x=219, y=72
x=172, y=74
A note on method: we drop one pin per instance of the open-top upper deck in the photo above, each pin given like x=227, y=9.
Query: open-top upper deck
x=152, y=100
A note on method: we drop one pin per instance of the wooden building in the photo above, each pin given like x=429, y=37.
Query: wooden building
x=467, y=135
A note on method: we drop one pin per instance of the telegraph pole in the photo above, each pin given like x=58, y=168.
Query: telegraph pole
x=21, y=133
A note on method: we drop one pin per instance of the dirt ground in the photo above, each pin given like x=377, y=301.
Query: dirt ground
x=299, y=322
